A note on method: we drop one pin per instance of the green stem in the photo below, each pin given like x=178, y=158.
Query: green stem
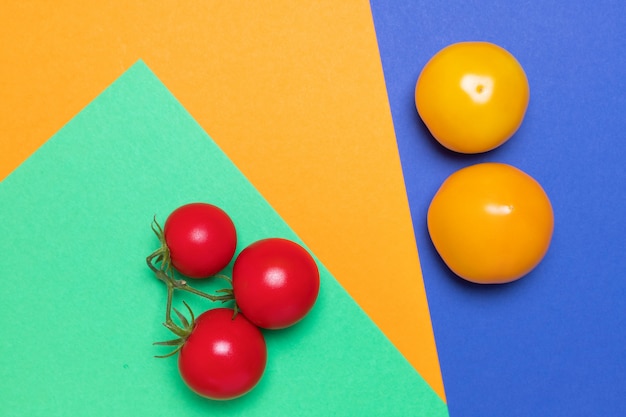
x=165, y=273
x=179, y=284
x=182, y=285
x=168, y=305
x=173, y=284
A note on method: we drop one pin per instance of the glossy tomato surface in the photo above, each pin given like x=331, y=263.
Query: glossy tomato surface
x=201, y=239
x=223, y=358
x=491, y=223
x=472, y=96
x=275, y=282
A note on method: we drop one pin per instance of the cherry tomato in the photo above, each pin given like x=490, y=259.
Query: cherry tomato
x=223, y=358
x=275, y=282
x=472, y=96
x=201, y=239
x=491, y=223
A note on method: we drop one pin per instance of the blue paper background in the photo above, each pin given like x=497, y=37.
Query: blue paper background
x=553, y=343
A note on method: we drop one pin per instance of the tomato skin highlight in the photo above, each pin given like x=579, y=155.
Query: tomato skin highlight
x=472, y=96
x=275, y=282
x=491, y=223
x=223, y=358
x=201, y=239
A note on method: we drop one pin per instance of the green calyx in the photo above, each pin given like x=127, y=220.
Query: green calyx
x=182, y=332
x=162, y=255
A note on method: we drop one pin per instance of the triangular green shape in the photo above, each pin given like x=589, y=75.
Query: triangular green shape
x=80, y=309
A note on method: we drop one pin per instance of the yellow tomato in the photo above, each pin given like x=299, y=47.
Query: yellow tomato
x=472, y=96
x=491, y=223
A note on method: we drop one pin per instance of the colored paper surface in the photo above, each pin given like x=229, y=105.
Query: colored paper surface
x=81, y=308
x=293, y=92
x=553, y=343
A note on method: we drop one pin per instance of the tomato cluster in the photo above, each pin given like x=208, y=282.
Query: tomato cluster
x=490, y=222
x=275, y=282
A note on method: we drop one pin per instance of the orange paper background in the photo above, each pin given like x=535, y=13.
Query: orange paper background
x=293, y=92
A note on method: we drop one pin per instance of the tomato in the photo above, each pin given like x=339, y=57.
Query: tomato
x=491, y=223
x=275, y=282
x=201, y=239
x=223, y=358
x=472, y=96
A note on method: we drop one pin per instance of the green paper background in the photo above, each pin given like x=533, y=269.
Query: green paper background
x=80, y=309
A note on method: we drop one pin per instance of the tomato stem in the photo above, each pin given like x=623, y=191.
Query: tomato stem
x=180, y=284
x=168, y=308
x=160, y=264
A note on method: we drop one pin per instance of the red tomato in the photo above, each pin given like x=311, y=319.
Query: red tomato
x=201, y=239
x=223, y=358
x=275, y=283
